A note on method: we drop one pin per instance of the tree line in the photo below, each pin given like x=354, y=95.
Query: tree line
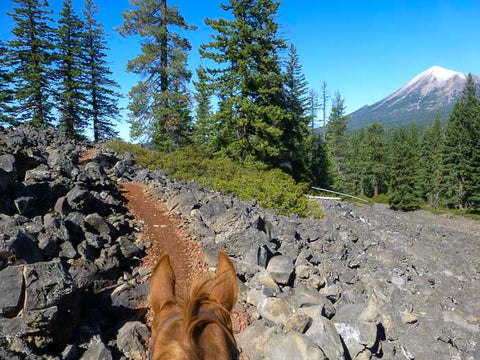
x=250, y=97
x=57, y=71
x=439, y=166
x=250, y=101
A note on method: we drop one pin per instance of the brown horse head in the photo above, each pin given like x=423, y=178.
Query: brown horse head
x=197, y=325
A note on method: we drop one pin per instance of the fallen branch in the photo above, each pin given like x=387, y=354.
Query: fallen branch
x=339, y=193
x=323, y=197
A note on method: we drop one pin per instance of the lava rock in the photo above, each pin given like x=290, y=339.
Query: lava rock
x=12, y=288
x=281, y=269
x=132, y=339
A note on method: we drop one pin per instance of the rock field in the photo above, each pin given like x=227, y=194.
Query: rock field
x=364, y=282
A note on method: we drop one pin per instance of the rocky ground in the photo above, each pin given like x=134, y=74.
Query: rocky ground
x=364, y=282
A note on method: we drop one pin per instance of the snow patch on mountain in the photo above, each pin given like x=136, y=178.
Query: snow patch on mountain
x=434, y=89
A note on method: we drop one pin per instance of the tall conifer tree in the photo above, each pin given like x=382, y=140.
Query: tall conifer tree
x=404, y=190
x=356, y=180
x=31, y=56
x=296, y=137
x=100, y=95
x=159, y=104
x=6, y=93
x=460, y=145
x=204, y=128
x=375, y=165
x=337, y=138
x=432, y=162
x=70, y=94
x=248, y=81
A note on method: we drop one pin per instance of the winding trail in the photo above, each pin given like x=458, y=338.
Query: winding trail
x=165, y=234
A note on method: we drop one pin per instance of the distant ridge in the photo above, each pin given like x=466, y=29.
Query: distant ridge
x=418, y=101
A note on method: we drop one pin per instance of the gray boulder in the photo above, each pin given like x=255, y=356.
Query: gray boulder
x=97, y=350
x=281, y=269
x=80, y=199
x=47, y=300
x=292, y=346
x=7, y=171
x=252, y=341
x=99, y=225
x=324, y=334
x=12, y=290
x=132, y=339
x=275, y=310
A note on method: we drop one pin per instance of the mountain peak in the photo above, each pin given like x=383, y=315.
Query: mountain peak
x=441, y=73
x=434, y=89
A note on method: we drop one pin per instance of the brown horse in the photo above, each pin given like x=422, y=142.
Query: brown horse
x=198, y=325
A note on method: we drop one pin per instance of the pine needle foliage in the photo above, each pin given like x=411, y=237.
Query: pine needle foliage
x=70, y=93
x=6, y=91
x=246, y=76
x=31, y=54
x=160, y=102
x=100, y=90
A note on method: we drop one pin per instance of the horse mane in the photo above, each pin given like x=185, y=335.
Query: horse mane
x=193, y=321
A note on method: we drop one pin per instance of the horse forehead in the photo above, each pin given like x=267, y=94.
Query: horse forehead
x=214, y=343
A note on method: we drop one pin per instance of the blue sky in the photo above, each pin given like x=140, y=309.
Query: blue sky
x=364, y=49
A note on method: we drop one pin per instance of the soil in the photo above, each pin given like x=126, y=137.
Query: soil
x=164, y=232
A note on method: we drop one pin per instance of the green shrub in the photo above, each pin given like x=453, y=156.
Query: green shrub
x=381, y=199
x=272, y=188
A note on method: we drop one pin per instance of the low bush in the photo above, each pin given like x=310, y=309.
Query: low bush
x=272, y=188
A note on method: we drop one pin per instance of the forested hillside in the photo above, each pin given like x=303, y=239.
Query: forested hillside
x=250, y=101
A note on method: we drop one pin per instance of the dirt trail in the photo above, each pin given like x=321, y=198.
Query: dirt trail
x=165, y=235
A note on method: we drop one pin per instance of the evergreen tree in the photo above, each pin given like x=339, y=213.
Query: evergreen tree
x=296, y=137
x=159, y=104
x=296, y=91
x=325, y=98
x=322, y=164
x=432, y=162
x=247, y=80
x=461, y=150
x=312, y=107
x=100, y=94
x=404, y=190
x=6, y=93
x=375, y=164
x=204, y=128
x=31, y=56
x=70, y=94
x=337, y=138
x=356, y=181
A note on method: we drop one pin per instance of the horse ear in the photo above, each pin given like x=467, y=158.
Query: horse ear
x=225, y=288
x=162, y=283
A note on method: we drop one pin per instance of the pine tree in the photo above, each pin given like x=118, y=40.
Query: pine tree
x=432, y=162
x=404, y=188
x=246, y=78
x=337, y=138
x=325, y=98
x=296, y=137
x=159, y=104
x=356, y=181
x=204, y=129
x=31, y=56
x=6, y=93
x=375, y=164
x=322, y=164
x=461, y=148
x=100, y=94
x=312, y=107
x=70, y=93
